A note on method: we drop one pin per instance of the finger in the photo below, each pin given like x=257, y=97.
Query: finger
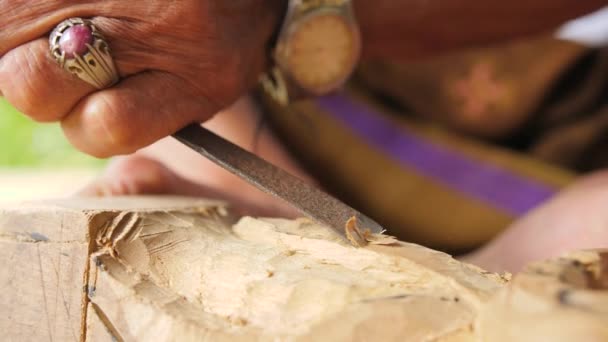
x=135, y=113
x=23, y=21
x=36, y=85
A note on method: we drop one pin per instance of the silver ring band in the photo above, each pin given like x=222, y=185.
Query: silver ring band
x=80, y=48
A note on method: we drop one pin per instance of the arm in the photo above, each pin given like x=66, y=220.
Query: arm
x=197, y=57
x=415, y=28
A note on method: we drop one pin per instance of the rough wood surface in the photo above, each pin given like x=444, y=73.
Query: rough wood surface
x=168, y=269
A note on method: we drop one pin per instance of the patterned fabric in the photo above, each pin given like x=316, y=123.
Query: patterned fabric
x=448, y=152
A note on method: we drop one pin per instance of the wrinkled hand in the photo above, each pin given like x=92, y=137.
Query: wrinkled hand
x=179, y=62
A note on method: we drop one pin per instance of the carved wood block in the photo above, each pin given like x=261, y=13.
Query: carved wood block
x=175, y=269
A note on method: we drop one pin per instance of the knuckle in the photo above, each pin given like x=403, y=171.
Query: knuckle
x=111, y=127
x=27, y=88
x=102, y=129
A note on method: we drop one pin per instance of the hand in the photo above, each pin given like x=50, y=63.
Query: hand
x=179, y=62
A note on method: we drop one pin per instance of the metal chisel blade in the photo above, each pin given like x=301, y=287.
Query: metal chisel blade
x=310, y=201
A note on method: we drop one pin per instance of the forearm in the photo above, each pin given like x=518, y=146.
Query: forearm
x=405, y=29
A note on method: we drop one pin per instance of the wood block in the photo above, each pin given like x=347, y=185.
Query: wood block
x=176, y=269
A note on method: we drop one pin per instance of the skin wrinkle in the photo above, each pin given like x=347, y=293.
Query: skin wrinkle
x=39, y=24
x=165, y=90
x=26, y=94
x=152, y=40
x=170, y=111
x=118, y=129
x=54, y=81
x=110, y=131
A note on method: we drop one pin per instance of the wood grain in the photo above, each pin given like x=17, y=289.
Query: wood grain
x=168, y=269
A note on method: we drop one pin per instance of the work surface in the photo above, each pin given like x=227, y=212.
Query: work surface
x=28, y=184
x=169, y=269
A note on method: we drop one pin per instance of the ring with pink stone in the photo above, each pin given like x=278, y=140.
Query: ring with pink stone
x=80, y=48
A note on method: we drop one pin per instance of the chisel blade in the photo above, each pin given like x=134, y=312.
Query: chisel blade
x=309, y=200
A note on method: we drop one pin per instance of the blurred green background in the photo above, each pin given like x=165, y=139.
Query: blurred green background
x=27, y=144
